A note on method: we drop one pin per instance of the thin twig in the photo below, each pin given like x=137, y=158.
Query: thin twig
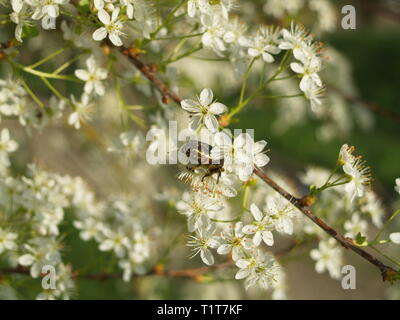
x=149, y=73
x=158, y=270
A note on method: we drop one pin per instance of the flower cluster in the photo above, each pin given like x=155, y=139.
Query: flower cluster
x=33, y=209
x=112, y=19
x=45, y=10
x=228, y=37
x=357, y=171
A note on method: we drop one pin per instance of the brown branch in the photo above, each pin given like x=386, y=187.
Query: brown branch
x=149, y=72
x=158, y=270
x=386, y=271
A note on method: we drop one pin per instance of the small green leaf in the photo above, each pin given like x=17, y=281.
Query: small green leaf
x=360, y=239
x=313, y=189
x=29, y=31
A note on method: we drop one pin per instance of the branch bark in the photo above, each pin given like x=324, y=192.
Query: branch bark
x=158, y=270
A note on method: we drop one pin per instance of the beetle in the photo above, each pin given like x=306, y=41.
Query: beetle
x=198, y=155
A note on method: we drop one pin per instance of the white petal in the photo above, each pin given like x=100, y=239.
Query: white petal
x=261, y=160
x=255, y=211
x=253, y=52
x=26, y=260
x=315, y=254
x=257, y=238
x=306, y=83
x=224, y=249
x=207, y=257
x=206, y=96
x=115, y=39
x=249, y=229
x=82, y=74
x=259, y=146
x=218, y=108
x=191, y=8
x=268, y=57
x=100, y=34
x=104, y=17
x=268, y=238
x=211, y=122
x=395, y=237
x=106, y=245
x=242, y=263
x=241, y=274
x=115, y=13
x=190, y=105
x=297, y=67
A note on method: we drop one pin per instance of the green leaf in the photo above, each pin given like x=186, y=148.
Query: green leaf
x=29, y=31
x=360, y=239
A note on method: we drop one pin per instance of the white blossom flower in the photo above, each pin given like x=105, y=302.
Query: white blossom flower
x=346, y=155
x=372, y=205
x=210, y=185
x=328, y=257
x=42, y=251
x=202, y=5
x=7, y=145
x=202, y=241
x=264, y=44
x=46, y=221
x=397, y=186
x=234, y=32
x=297, y=40
x=309, y=72
x=92, y=77
x=395, y=237
x=278, y=8
x=259, y=269
x=82, y=112
x=131, y=266
x=203, y=111
x=20, y=18
x=360, y=178
x=315, y=175
x=116, y=241
x=112, y=27
x=282, y=212
x=47, y=10
x=234, y=240
x=137, y=9
x=249, y=157
x=132, y=142
x=315, y=95
x=280, y=285
x=90, y=228
x=7, y=240
x=213, y=33
x=261, y=227
x=240, y=155
x=197, y=208
x=355, y=225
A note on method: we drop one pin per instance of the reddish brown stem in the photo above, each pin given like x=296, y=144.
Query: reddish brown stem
x=346, y=242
